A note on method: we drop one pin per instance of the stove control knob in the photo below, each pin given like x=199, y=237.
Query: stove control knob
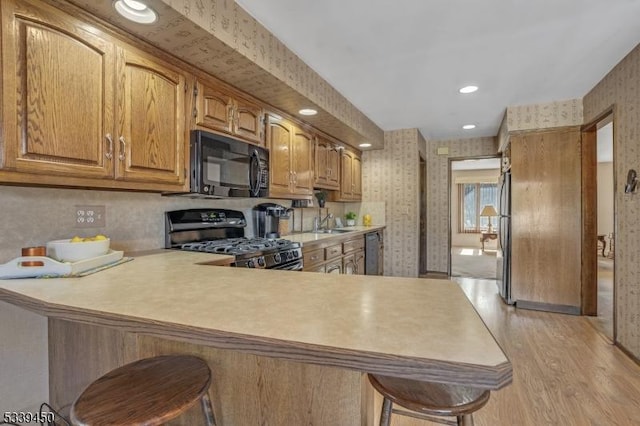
x=261, y=262
x=277, y=257
x=251, y=263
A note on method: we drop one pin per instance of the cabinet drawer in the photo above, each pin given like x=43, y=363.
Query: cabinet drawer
x=353, y=245
x=333, y=251
x=313, y=257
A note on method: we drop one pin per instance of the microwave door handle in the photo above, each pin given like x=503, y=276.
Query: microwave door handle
x=254, y=169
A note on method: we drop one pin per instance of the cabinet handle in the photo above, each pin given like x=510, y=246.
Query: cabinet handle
x=123, y=148
x=295, y=177
x=109, y=153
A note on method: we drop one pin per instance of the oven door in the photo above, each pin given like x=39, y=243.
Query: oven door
x=295, y=265
x=226, y=167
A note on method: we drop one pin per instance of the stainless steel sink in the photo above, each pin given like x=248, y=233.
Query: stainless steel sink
x=332, y=231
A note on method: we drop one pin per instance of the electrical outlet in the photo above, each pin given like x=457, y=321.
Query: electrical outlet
x=90, y=217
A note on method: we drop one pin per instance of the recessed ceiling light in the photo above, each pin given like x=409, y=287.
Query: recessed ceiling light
x=468, y=89
x=136, y=11
x=364, y=145
x=308, y=111
x=469, y=126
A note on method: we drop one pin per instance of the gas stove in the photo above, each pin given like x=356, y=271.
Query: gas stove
x=222, y=231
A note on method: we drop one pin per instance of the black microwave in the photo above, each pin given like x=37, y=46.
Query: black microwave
x=227, y=167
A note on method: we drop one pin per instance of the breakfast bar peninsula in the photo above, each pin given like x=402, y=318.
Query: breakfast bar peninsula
x=285, y=348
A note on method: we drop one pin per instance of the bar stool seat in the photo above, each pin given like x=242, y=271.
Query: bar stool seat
x=426, y=400
x=150, y=391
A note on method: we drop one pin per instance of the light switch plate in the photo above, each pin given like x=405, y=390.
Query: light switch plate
x=443, y=150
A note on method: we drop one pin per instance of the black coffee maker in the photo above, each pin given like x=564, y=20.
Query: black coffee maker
x=270, y=218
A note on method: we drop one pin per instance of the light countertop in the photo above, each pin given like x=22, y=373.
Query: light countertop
x=311, y=237
x=409, y=327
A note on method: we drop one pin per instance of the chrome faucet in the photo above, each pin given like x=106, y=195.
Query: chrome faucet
x=318, y=221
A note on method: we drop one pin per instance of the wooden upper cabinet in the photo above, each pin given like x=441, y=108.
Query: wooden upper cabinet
x=279, y=136
x=356, y=177
x=327, y=165
x=54, y=115
x=81, y=108
x=351, y=177
x=302, y=164
x=221, y=111
x=290, y=160
x=150, y=110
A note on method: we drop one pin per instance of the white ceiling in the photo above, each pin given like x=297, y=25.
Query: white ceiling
x=401, y=62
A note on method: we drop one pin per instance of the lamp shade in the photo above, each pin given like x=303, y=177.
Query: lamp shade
x=488, y=210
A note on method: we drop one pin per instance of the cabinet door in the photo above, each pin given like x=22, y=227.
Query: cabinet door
x=279, y=136
x=247, y=121
x=333, y=165
x=356, y=177
x=334, y=267
x=150, y=108
x=321, y=167
x=56, y=111
x=302, y=165
x=214, y=109
x=359, y=262
x=349, y=265
x=346, y=182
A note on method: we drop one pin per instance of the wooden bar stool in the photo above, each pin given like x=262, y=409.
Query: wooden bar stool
x=147, y=392
x=426, y=400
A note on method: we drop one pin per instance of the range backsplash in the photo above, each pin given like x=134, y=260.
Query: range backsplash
x=134, y=221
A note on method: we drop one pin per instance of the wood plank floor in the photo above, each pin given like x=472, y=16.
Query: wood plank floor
x=565, y=372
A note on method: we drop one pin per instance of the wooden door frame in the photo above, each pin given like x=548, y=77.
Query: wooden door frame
x=589, y=275
x=422, y=190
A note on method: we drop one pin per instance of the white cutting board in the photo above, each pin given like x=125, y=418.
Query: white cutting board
x=53, y=268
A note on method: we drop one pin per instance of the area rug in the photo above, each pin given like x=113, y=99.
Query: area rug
x=473, y=263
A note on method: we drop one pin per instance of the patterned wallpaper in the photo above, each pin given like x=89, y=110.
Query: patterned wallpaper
x=621, y=88
x=391, y=175
x=438, y=193
x=219, y=37
x=547, y=115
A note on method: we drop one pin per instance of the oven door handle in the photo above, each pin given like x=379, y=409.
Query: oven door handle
x=255, y=170
x=297, y=266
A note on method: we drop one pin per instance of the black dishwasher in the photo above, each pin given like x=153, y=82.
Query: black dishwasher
x=372, y=253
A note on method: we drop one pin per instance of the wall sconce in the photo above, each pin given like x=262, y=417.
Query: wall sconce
x=632, y=182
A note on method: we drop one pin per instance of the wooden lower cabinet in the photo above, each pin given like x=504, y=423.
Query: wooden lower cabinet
x=334, y=267
x=344, y=257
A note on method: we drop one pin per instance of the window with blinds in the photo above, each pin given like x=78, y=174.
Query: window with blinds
x=472, y=197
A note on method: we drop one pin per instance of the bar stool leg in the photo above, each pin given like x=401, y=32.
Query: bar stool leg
x=207, y=409
x=385, y=415
x=465, y=420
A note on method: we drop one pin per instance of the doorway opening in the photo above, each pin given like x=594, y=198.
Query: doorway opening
x=599, y=282
x=473, y=217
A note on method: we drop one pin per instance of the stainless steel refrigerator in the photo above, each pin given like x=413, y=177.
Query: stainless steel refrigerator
x=503, y=270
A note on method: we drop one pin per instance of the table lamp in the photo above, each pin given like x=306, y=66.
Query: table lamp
x=488, y=211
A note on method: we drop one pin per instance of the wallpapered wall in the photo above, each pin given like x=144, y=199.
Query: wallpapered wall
x=391, y=175
x=438, y=192
x=621, y=88
x=219, y=37
x=546, y=115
